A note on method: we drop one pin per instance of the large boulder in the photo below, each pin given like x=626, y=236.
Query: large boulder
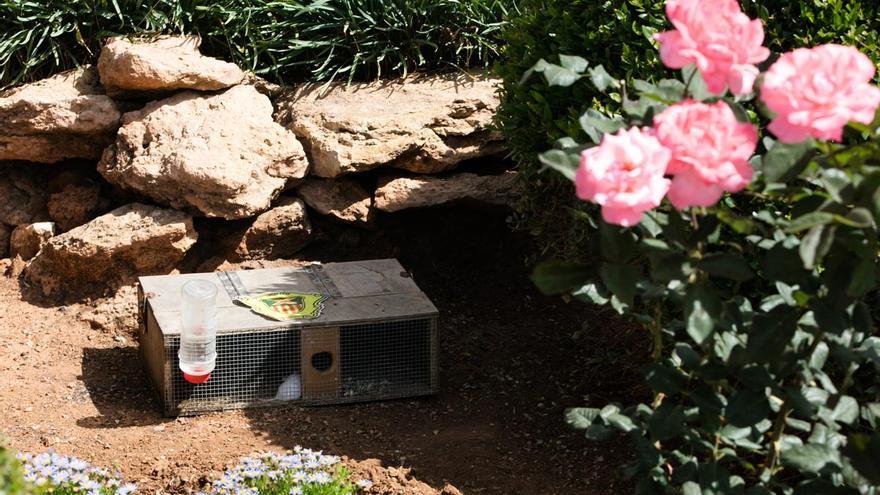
x=421, y=124
x=110, y=251
x=395, y=194
x=220, y=155
x=64, y=116
x=27, y=240
x=143, y=68
x=117, y=314
x=343, y=199
x=74, y=205
x=4, y=240
x=279, y=232
x=22, y=194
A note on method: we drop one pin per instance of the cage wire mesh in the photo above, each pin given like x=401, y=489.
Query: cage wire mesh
x=359, y=357
x=374, y=361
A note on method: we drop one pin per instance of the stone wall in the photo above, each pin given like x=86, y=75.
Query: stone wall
x=103, y=169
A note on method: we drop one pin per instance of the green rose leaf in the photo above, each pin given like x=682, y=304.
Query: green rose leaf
x=556, y=277
x=809, y=221
x=617, y=243
x=595, y=124
x=580, y=418
x=561, y=161
x=621, y=422
x=574, y=63
x=771, y=333
x=864, y=278
x=666, y=422
x=783, y=263
x=747, y=407
x=810, y=458
x=846, y=411
x=838, y=185
x=591, y=293
x=785, y=161
x=558, y=75
x=602, y=80
x=695, y=84
x=863, y=453
x=728, y=266
x=664, y=379
x=621, y=280
x=701, y=310
x=816, y=244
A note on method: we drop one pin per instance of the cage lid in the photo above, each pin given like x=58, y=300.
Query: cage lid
x=359, y=291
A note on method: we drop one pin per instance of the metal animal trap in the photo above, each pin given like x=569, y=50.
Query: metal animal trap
x=376, y=339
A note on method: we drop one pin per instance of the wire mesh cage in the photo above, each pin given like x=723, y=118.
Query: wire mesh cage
x=376, y=339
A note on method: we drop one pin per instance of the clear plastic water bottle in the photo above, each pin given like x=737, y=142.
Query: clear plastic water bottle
x=198, y=335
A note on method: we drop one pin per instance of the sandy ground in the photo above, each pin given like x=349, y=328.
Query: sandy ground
x=509, y=367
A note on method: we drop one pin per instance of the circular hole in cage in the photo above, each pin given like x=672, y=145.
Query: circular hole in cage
x=322, y=361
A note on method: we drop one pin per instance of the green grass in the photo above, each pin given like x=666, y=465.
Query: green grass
x=283, y=40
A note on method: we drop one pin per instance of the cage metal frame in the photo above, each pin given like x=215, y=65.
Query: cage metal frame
x=170, y=388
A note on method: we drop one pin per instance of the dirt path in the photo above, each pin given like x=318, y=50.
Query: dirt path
x=509, y=368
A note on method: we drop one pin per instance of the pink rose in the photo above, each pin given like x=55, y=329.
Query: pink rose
x=624, y=174
x=817, y=91
x=710, y=151
x=718, y=38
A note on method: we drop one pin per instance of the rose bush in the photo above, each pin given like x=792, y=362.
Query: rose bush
x=757, y=280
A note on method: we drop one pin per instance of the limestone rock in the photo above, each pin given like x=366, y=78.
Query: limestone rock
x=110, y=251
x=268, y=88
x=22, y=194
x=161, y=66
x=410, y=192
x=27, y=240
x=4, y=240
x=279, y=232
x=422, y=124
x=64, y=116
x=342, y=198
x=74, y=205
x=221, y=155
x=117, y=314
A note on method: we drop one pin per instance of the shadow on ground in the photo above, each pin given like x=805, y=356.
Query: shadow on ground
x=118, y=387
x=509, y=366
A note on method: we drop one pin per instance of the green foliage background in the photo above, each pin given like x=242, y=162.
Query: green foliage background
x=283, y=40
x=11, y=480
x=617, y=34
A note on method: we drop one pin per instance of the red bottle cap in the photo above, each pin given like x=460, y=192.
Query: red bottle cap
x=196, y=379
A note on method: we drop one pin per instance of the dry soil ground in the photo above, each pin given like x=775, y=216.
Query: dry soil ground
x=509, y=367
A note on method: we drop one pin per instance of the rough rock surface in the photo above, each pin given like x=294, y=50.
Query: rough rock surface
x=74, y=205
x=117, y=314
x=422, y=124
x=279, y=232
x=111, y=251
x=64, y=116
x=27, y=240
x=160, y=66
x=4, y=240
x=22, y=195
x=414, y=192
x=342, y=198
x=221, y=155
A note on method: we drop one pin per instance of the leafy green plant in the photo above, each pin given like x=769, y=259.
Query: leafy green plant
x=300, y=472
x=11, y=475
x=285, y=41
x=761, y=309
x=617, y=35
